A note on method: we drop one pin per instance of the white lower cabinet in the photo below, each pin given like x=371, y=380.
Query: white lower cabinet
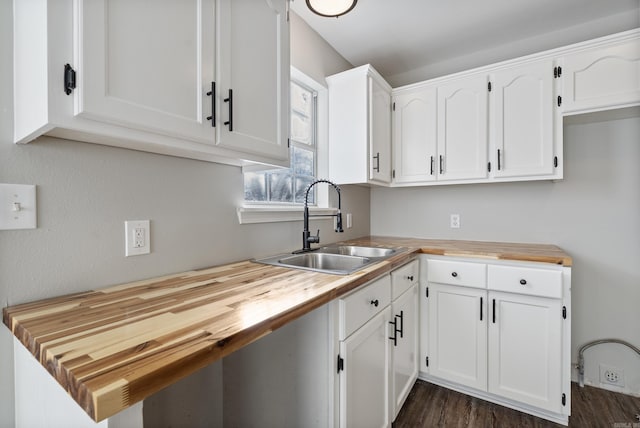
x=500, y=331
x=378, y=348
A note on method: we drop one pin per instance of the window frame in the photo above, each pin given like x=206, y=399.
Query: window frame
x=265, y=211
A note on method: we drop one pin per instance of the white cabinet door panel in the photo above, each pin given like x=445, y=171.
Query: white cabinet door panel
x=379, y=132
x=525, y=345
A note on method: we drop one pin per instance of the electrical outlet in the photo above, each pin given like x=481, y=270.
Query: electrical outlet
x=611, y=375
x=137, y=238
x=349, y=221
x=455, y=221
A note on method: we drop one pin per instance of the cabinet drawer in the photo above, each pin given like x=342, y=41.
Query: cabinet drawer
x=359, y=307
x=457, y=273
x=403, y=278
x=536, y=282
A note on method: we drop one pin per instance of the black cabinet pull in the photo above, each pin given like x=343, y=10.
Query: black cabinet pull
x=212, y=94
x=523, y=281
x=432, y=161
x=377, y=158
x=494, y=311
x=230, y=101
x=499, y=167
x=401, y=331
x=410, y=277
x=454, y=274
x=481, y=305
x=395, y=332
x=375, y=303
x=441, y=168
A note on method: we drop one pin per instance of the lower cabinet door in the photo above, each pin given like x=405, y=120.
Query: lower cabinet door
x=364, y=383
x=458, y=334
x=404, y=368
x=525, y=345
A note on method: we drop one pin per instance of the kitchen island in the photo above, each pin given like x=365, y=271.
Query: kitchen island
x=113, y=347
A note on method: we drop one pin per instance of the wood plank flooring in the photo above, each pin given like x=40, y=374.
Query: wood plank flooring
x=431, y=406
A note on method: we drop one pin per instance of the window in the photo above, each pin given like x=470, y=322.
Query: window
x=287, y=186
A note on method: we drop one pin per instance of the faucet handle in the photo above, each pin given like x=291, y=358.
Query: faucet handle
x=315, y=239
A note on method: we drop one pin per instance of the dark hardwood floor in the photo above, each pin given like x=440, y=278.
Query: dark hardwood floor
x=431, y=406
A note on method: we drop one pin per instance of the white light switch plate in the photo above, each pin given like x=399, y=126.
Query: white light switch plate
x=17, y=206
x=137, y=235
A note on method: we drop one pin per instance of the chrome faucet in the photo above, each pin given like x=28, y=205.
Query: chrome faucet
x=307, y=238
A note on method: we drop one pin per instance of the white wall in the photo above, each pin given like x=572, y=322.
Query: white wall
x=593, y=214
x=86, y=192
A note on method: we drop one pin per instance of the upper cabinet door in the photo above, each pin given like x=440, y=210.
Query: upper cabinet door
x=414, y=136
x=602, y=77
x=147, y=67
x=523, y=117
x=462, y=129
x=254, y=78
x=379, y=132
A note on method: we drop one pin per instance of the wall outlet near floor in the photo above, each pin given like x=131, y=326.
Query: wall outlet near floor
x=611, y=375
x=455, y=221
x=137, y=238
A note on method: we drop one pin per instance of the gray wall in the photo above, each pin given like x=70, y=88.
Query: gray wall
x=593, y=214
x=87, y=191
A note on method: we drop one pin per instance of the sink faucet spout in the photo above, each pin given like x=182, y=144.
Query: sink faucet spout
x=307, y=238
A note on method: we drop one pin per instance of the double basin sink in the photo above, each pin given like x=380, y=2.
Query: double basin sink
x=334, y=259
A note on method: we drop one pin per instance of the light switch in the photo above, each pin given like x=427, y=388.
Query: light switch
x=17, y=206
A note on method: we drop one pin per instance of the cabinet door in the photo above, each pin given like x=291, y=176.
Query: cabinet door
x=525, y=349
x=523, y=118
x=414, y=136
x=462, y=129
x=379, y=132
x=135, y=73
x=458, y=334
x=254, y=77
x=404, y=371
x=364, y=383
x=602, y=78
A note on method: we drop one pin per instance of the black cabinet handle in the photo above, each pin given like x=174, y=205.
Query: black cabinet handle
x=230, y=101
x=375, y=303
x=494, y=311
x=454, y=274
x=499, y=160
x=212, y=94
x=432, y=161
x=377, y=158
x=410, y=277
x=441, y=167
x=395, y=332
x=481, y=305
x=401, y=316
x=523, y=281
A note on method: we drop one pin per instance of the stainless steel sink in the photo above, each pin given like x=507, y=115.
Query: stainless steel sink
x=334, y=259
x=355, y=250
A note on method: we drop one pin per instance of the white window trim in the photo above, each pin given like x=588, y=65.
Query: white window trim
x=263, y=213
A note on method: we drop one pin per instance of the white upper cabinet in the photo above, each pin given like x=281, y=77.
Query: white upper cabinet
x=134, y=73
x=254, y=77
x=462, y=128
x=523, y=120
x=414, y=135
x=359, y=127
x=603, y=75
x=155, y=77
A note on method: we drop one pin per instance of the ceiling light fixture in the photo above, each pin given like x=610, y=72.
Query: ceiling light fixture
x=331, y=8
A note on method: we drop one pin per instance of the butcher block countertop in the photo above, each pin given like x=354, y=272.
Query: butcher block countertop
x=112, y=347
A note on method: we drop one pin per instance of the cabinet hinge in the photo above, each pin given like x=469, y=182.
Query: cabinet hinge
x=426, y=292
x=564, y=399
x=559, y=100
x=489, y=86
x=69, y=79
x=489, y=166
x=340, y=363
x=564, y=312
x=426, y=361
x=393, y=106
x=557, y=72
x=555, y=161
x=289, y=142
x=393, y=173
